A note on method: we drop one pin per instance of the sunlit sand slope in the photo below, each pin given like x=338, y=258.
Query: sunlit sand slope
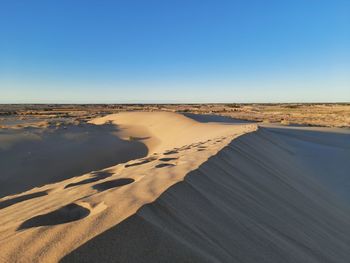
x=254, y=201
x=49, y=222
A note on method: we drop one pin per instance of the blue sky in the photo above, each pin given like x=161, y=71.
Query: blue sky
x=174, y=51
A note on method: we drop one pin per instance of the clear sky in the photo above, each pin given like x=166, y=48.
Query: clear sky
x=92, y=51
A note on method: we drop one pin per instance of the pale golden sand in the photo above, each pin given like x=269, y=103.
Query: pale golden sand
x=204, y=192
x=46, y=223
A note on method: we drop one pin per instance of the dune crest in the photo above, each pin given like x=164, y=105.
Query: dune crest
x=162, y=131
x=204, y=192
x=254, y=201
x=47, y=223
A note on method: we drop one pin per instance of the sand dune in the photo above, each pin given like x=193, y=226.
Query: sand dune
x=162, y=131
x=34, y=157
x=57, y=218
x=252, y=202
x=205, y=192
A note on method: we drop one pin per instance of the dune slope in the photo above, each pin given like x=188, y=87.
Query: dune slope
x=46, y=223
x=205, y=192
x=34, y=157
x=254, y=201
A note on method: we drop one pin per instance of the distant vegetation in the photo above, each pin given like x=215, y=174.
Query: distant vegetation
x=316, y=114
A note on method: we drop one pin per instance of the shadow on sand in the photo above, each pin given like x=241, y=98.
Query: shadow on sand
x=240, y=211
x=65, y=214
x=113, y=184
x=61, y=154
x=97, y=176
x=22, y=198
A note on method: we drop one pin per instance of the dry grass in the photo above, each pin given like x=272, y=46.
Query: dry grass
x=329, y=115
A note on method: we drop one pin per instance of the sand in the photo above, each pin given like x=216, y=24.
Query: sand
x=203, y=192
x=34, y=157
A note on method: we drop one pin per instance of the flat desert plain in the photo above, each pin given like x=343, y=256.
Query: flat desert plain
x=162, y=186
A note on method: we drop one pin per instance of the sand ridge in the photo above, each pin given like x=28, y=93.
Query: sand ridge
x=48, y=222
x=254, y=201
x=204, y=192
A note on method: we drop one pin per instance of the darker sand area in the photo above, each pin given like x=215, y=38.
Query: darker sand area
x=275, y=195
x=34, y=157
x=189, y=190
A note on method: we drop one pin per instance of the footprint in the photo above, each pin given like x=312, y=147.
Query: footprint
x=201, y=148
x=170, y=152
x=22, y=198
x=112, y=184
x=97, y=176
x=69, y=213
x=186, y=147
x=101, y=174
x=141, y=162
x=161, y=165
x=168, y=159
x=133, y=138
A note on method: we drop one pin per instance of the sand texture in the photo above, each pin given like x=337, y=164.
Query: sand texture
x=185, y=191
